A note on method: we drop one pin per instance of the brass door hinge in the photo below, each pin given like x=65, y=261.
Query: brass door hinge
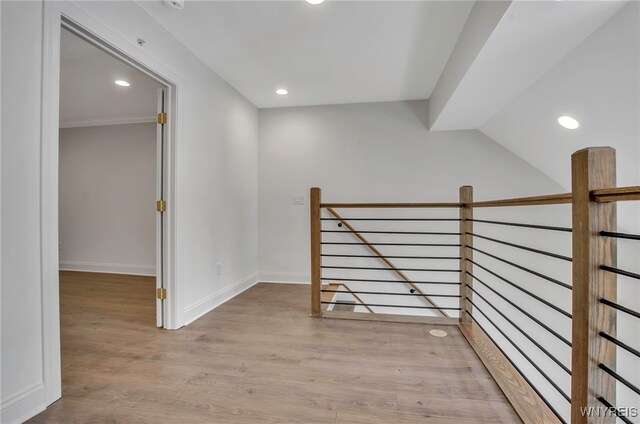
x=162, y=118
x=161, y=294
x=161, y=205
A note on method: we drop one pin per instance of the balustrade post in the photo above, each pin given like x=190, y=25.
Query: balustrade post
x=466, y=254
x=316, y=259
x=592, y=169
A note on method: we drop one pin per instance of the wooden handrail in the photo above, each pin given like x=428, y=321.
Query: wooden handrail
x=606, y=195
x=549, y=199
x=600, y=196
x=384, y=259
x=390, y=205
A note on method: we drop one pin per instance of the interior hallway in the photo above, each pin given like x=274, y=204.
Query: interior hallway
x=258, y=358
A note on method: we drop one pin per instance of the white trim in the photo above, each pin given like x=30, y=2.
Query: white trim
x=209, y=303
x=98, y=122
x=24, y=404
x=51, y=362
x=284, y=277
x=127, y=269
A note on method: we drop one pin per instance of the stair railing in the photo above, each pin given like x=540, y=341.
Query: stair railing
x=549, y=342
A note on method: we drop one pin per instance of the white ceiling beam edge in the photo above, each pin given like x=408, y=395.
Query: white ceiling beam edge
x=503, y=50
x=482, y=21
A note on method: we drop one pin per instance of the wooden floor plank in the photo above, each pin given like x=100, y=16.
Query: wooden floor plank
x=258, y=358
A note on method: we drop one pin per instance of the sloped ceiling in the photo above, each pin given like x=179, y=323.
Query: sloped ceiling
x=504, y=48
x=599, y=85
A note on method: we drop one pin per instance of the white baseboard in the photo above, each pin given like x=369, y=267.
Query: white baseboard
x=23, y=405
x=209, y=303
x=108, y=268
x=284, y=277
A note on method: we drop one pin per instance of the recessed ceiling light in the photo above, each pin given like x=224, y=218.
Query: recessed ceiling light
x=315, y=2
x=568, y=122
x=282, y=91
x=122, y=83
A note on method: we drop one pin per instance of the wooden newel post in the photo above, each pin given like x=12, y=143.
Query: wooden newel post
x=591, y=169
x=316, y=260
x=466, y=254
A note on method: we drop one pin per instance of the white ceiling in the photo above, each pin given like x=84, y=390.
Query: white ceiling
x=337, y=52
x=599, y=85
x=88, y=95
x=529, y=40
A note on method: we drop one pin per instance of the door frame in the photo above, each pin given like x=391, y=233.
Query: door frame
x=56, y=16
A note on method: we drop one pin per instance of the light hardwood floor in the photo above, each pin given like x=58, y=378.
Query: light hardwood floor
x=259, y=358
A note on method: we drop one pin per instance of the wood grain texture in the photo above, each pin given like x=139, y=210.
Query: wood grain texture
x=549, y=199
x=390, y=205
x=616, y=194
x=316, y=252
x=466, y=254
x=386, y=261
x=592, y=169
x=257, y=359
x=525, y=401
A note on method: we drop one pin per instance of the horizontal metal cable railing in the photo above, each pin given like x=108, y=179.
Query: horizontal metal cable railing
x=535, y=299
x=508, y=299
x=610, y=370
x=389, y=259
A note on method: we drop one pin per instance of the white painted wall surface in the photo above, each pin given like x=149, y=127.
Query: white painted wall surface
x=368, y=152
x=107, y=198
x=21, y=372
x=216, y=193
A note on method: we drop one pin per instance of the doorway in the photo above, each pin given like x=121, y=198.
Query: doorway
x=66, y=15
x=111, y=223
x=111, y=170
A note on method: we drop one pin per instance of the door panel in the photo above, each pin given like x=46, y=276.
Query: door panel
x=160, y=287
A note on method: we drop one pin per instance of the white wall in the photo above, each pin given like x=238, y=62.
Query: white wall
x=21, y=385
x=216, y=177
x=107, y=198
x=368, y=152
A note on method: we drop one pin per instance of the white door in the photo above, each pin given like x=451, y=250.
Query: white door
x=160, y=210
